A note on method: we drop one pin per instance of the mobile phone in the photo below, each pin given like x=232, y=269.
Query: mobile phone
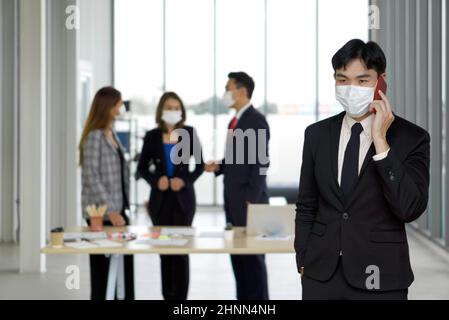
x=382, y=86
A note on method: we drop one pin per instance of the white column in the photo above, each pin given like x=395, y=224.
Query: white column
x=32, y=142
x=62, y=114
x=7, y=112
x=1, y=124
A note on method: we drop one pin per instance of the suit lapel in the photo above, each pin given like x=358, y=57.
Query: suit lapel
x=161, y=151
x=368, y=159
x=335, y=131
x=246, y=113
x=109, y=142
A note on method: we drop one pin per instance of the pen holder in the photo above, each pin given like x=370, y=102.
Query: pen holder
x=57, y=239
x=229, y=235
x=96, y=224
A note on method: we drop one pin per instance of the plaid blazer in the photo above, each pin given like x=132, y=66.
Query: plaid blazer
x=101, y=175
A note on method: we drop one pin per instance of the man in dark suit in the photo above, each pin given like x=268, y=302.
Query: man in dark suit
x=364, y=175
x=244, y=170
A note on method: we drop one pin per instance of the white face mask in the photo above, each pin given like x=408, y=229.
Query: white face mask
x=122, y=110
x=355, y=99
x=172, y=117
x=227, y=99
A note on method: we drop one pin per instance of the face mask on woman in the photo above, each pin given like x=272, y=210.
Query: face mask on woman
x=355, y=100
x=172, y=117
x=122, y=110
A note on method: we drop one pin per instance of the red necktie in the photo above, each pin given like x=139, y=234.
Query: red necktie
x=231, y=129
x=233, y=123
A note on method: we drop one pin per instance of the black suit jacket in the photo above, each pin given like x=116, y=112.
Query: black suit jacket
x=152, y=166
x=369, y=226
x=246, y=182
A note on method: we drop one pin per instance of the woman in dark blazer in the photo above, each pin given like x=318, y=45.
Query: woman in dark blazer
x=105, y=181
x=164, y=164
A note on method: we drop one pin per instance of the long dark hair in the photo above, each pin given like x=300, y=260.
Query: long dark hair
x=100, y=113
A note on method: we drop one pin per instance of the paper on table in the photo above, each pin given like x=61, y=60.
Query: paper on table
x=80, y=245
x=211, y=234
x=107, y=244
x=169, y=242
x=85, y=235
x=178, y=231
x=93, y=244
x=273, y=237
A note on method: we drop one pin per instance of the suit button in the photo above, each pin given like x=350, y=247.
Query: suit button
x=345, y=216
x=391, y=176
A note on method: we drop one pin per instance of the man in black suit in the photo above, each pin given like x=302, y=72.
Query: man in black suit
x=365, y=173
x=244, y=170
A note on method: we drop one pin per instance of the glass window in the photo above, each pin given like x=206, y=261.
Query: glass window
x=291, y=80
x=139, y=52
x=190, y=72
x=158, y=46
x=139, y=70
x=240, y=47
x=339, y=22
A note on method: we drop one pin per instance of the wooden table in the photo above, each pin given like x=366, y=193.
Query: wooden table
x=206, y=240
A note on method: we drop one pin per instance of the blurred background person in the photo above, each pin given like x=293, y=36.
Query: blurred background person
x=172, y=198
x=105, y=181
x=244, y=183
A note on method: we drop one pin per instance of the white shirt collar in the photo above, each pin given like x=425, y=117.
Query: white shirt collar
x=241, y=111
x=366, y=123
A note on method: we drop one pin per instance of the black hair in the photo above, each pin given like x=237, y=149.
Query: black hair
x=370, y=53
x=242, y=79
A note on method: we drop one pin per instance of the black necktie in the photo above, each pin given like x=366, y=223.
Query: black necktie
x=350, y=171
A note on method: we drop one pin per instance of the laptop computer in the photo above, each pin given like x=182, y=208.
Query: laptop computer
x=265, y=219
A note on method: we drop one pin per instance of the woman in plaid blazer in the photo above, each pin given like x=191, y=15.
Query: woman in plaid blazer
x=105, y=181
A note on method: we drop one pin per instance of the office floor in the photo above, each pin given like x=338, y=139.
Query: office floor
x=211, y=275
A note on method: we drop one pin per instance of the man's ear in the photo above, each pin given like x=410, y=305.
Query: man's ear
x=384, y=76
x=243, y=93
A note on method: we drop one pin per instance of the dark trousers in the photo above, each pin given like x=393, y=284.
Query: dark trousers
x=175, y=269
x=99, y=270
x=250, y=271
x=251, y=277
x=337, y=288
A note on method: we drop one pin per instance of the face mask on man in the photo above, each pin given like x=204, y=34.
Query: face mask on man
x=227, y=99
x=355, y=100
x=172, y=117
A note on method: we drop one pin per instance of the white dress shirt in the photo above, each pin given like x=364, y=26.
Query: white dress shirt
x=365, y=142
x=241, y=111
